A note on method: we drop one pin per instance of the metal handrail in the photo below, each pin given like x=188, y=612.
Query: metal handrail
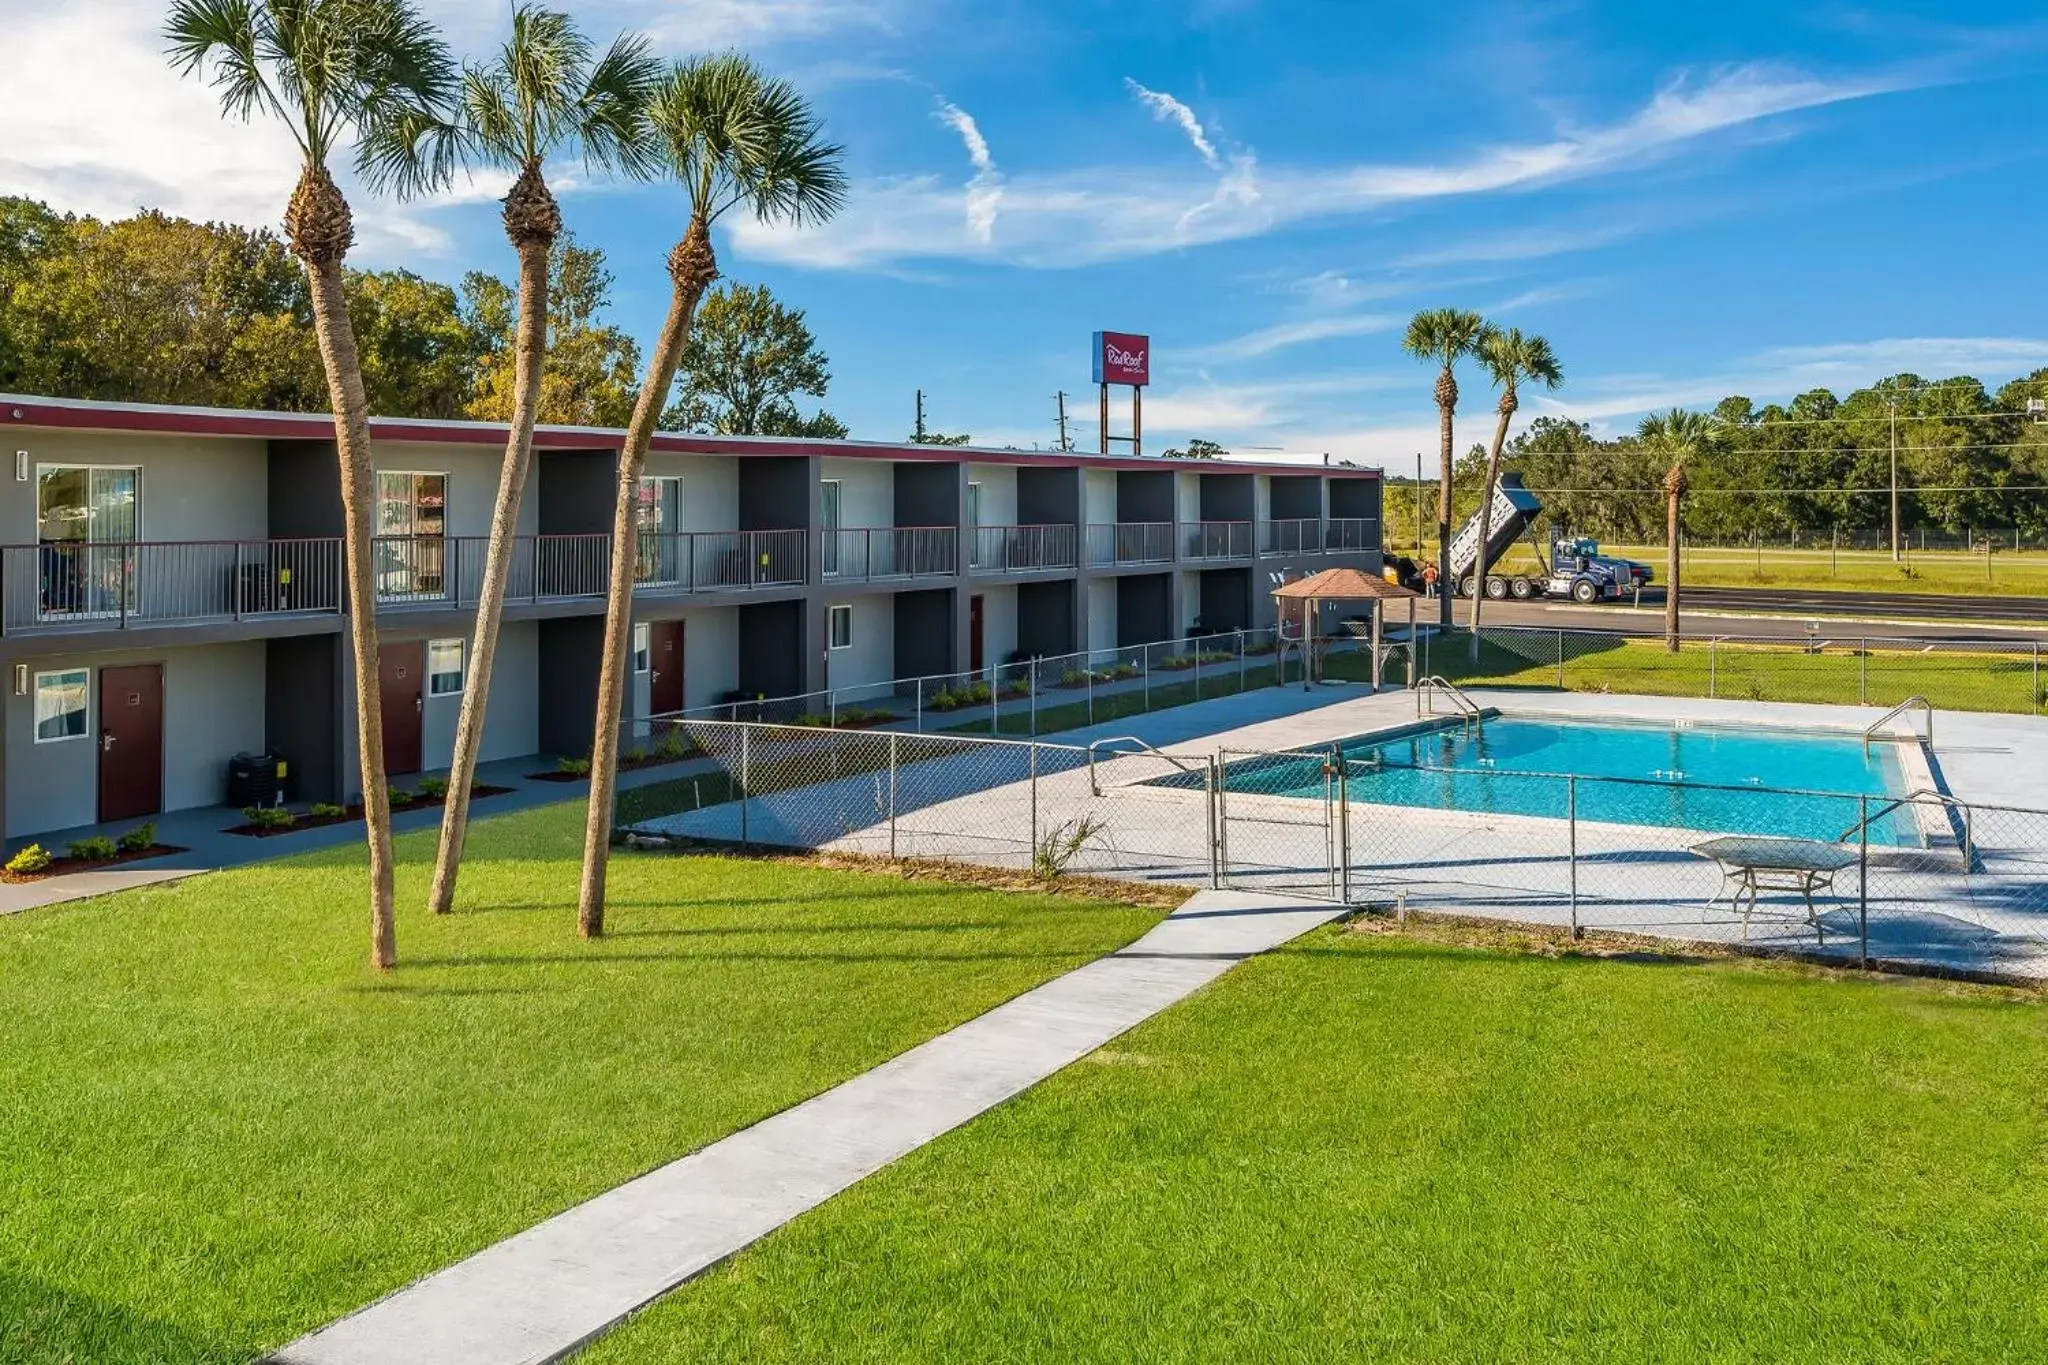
x=1914, y=798
x=1897, y=711
x=1095, y=787
x=1468, y=709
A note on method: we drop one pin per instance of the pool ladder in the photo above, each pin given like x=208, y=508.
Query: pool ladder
x=1925, y=706
x=1469, y=711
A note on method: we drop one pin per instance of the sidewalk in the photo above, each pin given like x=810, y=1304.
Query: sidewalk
x=543, y=1293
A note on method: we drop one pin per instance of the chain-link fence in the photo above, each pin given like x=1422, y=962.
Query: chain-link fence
x=1819, y=666
x=1923, y=878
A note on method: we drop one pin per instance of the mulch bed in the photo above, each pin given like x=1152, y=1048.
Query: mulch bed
x=60, y=867
x=626, y=765
x=355, y=812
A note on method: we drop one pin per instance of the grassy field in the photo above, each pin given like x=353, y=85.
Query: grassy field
x=2021, y=573
x=1373, y=1147
x=220, y=1129
x=1954, y=680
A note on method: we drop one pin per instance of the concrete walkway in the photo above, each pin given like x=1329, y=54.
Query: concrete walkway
x=548, y=1290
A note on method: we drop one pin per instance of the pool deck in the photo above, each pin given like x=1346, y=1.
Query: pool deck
x=1923, y=906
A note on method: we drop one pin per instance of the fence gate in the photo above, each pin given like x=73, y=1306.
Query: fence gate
x=1280, y=823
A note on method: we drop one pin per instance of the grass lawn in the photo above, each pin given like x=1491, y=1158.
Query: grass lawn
x=1953, y=680
x=1951, y=572
x=1371, y=1146
x=221, y=1129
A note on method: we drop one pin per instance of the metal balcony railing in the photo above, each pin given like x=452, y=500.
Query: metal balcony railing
x=1111, y=544
x=1021, y=549
x=1214, y=540
x=59, y=585
x=885, y=552
x=1351, y=533
x=1291, y=536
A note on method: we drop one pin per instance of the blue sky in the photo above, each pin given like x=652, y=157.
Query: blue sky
x=1687, y=200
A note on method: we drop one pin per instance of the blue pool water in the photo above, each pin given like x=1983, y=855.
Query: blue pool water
x=1696, y=777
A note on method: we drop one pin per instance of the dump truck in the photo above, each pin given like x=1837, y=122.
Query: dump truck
x=1574, y=567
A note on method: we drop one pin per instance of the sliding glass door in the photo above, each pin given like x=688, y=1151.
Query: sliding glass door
x=88, y=518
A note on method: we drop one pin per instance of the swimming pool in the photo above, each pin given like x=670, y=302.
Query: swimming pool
x=1681, y=775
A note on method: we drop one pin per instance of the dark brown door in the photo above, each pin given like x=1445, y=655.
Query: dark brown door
x=131, y=741
x=401, y=675
x=974, y=634
x=665, y=682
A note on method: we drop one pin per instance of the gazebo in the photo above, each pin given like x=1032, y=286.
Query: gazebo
x=1341, y=585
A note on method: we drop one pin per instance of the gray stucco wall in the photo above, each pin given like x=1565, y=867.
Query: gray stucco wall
x=213, y=708
x=511, y=722
x=193, y=487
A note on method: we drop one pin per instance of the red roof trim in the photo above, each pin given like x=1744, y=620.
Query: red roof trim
x=81, y=415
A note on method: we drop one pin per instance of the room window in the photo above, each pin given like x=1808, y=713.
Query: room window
x=842, y=627
x=974, y=552
x=643, y=646
x=61, y=704
x=444, y=668
x=658, y=514
x=828, y=525
x=87, y=520
x=411, y=523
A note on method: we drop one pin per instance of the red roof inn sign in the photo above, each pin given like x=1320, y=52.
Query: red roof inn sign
x=1123, y=358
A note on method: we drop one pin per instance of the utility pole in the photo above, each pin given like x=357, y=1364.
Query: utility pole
x=1895, y=468
x=917, y=430
x=1061, y=399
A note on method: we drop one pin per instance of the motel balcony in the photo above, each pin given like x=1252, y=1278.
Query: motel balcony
x=1213, y=542
x=882, y=554
x=1117, y=544
x=81, y=586
x=1021, y=549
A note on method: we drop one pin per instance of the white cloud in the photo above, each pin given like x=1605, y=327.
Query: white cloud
x=1524, y=245
x=1266, y=340
x=1094, y=214
x=1167, y=109
x=985, y=190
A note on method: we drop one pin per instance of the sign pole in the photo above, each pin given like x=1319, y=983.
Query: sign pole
x=1102, y=421
x=1137, y=420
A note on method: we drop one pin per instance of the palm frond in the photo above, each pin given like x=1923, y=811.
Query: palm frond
x=732, y=137
x=1513, y=358
x=225, y=35
x=1443, y=336
x=612, y=112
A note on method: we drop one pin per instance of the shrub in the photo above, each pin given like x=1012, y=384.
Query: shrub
x=1122, y=671
x=96, y=848
x=327, y=810
x=673, y=745
x=270, y=817
x=637, y=754
x=35, y=858
x=400, y=796
x=575, y=767
x=1016, y=688
x=433, y=788
x=136, y=840
x=1061, y=844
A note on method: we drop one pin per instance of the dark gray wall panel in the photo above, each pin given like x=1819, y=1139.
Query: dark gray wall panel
x=772, y=648
x=1226, y=599
x=1045, y=619
x=927, y=494
x=1144, y=609
x=1144, y=495
x=1296, y=497
x=305, y=489
x=776, y=493
x=1048, y=497
x=302, y=712
x=924, y=633
x=571, y=648
x=577, y=490
x=1228, y=497
x=1355, y=498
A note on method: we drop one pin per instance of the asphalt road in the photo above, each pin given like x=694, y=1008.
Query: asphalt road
x=2030, y=611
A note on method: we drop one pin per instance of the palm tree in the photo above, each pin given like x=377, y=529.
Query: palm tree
x=733, y=139
x=1680, y=436
x=1444, y=336
x=1513, y=360
x=542, y=95
x=332, y=71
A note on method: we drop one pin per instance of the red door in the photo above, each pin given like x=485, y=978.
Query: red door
x=131, y=741
x=974, y=634
x=401, y=671
x=665, y=681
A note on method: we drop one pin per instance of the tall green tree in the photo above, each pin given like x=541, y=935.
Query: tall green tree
x=545, y=93
x=592, y=369
x=1442, y=337
x=1680, y=437
x=750, y=356
x=334, y=71
x=1512, y=359
x=732, y=138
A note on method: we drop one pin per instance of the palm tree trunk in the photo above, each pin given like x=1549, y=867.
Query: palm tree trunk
x=1445, y=384
x=1500, y=437
x=692, y=266
x=1671, y=532
x=337, y=340
x=529, y=354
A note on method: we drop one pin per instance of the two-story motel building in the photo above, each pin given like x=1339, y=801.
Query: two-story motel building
x=171, y=582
